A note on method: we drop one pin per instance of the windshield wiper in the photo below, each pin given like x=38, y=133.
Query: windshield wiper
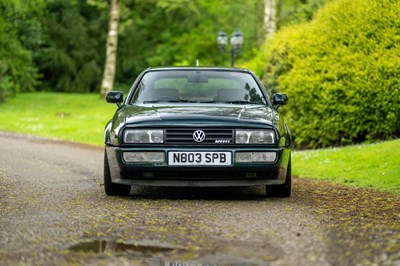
x=242, y=102
x=189, y=101
x=232, y=102
x=153, y=101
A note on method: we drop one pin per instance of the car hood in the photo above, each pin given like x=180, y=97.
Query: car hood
x=199, y=114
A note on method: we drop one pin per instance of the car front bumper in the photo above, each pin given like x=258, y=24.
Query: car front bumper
x=163, y=174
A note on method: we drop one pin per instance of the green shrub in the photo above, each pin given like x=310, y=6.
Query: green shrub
x=341, y=72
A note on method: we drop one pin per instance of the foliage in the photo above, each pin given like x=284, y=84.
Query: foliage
x=17, y=34
x=62, y=42
x=340, y=73
x=289, y=13
x=164, y=32
x=71, y=58
x=371, y=165
x=292, y=12
x=66, y=39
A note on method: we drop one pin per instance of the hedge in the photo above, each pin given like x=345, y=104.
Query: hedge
x=341, y=72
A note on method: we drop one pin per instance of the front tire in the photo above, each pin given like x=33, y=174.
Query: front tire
x=110, y=188
x=284, y=190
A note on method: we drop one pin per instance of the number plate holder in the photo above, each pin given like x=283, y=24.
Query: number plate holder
x=199, y=158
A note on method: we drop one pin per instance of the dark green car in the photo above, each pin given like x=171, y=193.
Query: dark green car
x=196, y=126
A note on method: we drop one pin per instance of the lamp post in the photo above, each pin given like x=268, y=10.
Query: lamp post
x=236, y=43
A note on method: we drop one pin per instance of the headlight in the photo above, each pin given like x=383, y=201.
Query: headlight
x=264, y=136
x=144, y=136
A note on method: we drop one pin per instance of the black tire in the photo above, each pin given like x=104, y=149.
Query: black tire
x=110, y=188
x=284, y=190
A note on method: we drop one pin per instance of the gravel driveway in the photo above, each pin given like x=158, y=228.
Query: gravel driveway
x=54, y=212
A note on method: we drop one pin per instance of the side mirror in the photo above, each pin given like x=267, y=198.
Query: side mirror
x=279, y=99
x=115, y=97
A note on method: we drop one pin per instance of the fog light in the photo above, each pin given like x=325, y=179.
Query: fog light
x=255, y=157
x=144, y=157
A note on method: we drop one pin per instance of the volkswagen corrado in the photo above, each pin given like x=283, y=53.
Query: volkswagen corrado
x=197, y=126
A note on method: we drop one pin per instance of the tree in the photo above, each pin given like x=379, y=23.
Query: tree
x=178, y=32
x=64, y=40
x=19, y=31
x=269, y=17
x=71, y=56
x=111, y=49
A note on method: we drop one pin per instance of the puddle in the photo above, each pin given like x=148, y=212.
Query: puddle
x=102, y=246
x=147, y=249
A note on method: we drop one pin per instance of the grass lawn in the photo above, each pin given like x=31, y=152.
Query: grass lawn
x=369, y=165
x=72, y=117
x=82, y=117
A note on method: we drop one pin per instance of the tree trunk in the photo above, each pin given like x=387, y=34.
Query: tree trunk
x=269, y=17
x=260, y=23
x=111, y=49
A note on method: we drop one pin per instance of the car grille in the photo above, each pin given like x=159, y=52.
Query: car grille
x=212, y=136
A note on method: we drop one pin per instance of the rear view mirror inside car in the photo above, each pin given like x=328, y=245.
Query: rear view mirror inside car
x=197, y=78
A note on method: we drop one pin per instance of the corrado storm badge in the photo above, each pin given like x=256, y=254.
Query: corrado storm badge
x=222, y=141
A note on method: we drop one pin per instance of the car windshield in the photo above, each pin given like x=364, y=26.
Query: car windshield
x=185, y=86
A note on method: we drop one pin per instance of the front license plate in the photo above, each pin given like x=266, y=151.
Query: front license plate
x=199, y=158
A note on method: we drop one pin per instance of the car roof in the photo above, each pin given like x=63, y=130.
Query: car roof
x=233, y=69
